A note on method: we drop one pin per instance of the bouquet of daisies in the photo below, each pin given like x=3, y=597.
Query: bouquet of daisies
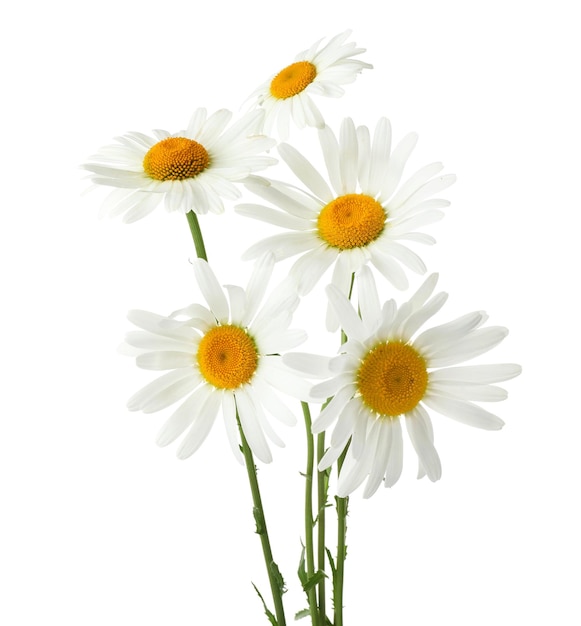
x=234, y=352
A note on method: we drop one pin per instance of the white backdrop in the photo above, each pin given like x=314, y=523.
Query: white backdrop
x=98, y=525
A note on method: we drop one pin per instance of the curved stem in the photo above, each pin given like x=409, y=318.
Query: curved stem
x=309, y=524
x=274, y=576
x=197, y=235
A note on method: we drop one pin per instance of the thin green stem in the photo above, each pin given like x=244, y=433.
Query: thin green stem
x=322, y=487
x=309, y=524
x=342, y=511
x=197, y=235
x=274, y=576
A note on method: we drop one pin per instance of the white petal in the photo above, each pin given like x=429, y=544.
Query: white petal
x=202, y=425
x=478, y=374
x=350, y=322
x=305, y=172
x=165, y=360
x=395, y=460
x=464, y=412
x=380, y=459
x=211, y=290
x=423, y=446
x=313, y=365
x=329, y=414
x=183, y=416
x=230, y=424
x=251, y=427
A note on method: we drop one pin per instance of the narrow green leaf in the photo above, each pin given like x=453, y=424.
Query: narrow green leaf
x=331, y=562
x=314, y=580
x=278, y=577
x=269, y=614
x=300, y=614
x=259, y=519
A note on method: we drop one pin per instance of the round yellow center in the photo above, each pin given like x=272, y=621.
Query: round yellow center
x=227, y=357
x=175, y=158
x=392, y=379
x=293, y=79
x=351, y=221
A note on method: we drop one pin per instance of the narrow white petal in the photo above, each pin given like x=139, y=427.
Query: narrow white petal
x=464, y=412
x=368, y=297
x=230, y=424
x=165, y=360
x=478, y=342
x=272, y=403
x=305, y=172
x=395, y=460
x=418, y=318
x=424, y=447
x=466, y=391
x=141, y=398
x=390, y=269
x=257, y=285
x=211, y=290
x=477, y=374
x=313, y=365
x=348, y=156
x=183, y=416
x=202, y=425
x=251, y=427
x=329, y=414
x=346, y=422
x=330, y=148
x=380, y=460
x=350, y=322
x=332, y=386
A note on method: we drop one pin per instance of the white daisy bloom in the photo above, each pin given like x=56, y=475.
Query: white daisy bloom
x=388, y=372
x=362, y=215
x=225, y=355
x=191, y=170
x=314, y=73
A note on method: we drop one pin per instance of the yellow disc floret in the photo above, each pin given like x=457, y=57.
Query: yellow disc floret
x=351, y=221
x=392, y=378
x=227, y=357
x=293, y=79
x=175, y=158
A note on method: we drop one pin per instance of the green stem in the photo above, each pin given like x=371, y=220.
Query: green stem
x=197, y=235
x=342, y=510
x=322, y=487
x=309, y=545
x=274, y=577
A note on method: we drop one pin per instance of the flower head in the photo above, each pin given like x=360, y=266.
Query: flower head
x=225, y=355
x=361, y=215
x=387, y=373
x=314, y=73
x=192, y=170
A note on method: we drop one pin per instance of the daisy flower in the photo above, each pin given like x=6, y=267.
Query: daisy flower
x=225, y=355
x=191, y=170
x=314, y=73
x=388, y=373
x=361, y=215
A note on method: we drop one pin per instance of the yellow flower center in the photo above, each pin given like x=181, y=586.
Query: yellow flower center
x=175, y=158
x=351, y=221
x=293, y=79
x=392, y=378
x=227, y=357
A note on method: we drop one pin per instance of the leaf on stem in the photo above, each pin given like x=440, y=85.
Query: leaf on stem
x=269, y=613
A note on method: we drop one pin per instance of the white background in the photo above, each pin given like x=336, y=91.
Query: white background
x=98, y=525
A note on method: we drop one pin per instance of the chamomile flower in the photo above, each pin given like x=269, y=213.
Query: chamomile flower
x=388, y=373
x=224, y=356
x=314, y=73
x=362, y=215
x=192, y=170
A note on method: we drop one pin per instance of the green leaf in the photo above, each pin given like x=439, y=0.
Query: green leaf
x=331, y=562
x=314, y=580
x=259, y=519
x=300, y=614
x=269, y=614
x=302, y=570
x=277, y=577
